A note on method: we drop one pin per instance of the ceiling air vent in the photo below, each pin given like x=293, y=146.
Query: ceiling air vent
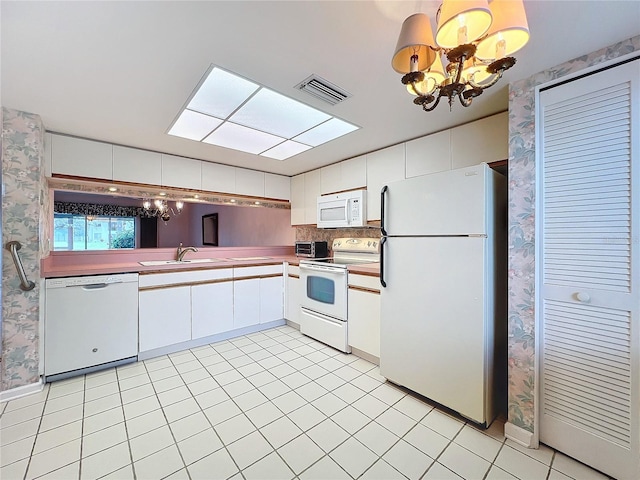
x=322, y=89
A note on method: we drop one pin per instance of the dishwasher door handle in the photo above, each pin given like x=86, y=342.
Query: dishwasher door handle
x=94, y=286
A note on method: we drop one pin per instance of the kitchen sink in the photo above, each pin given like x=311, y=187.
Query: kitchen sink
x=152, y=263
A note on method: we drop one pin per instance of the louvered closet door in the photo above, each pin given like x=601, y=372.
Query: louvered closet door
x=590, y=375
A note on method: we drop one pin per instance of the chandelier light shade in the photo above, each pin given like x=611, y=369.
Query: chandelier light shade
x=474, y=36
x=415, y=40
x=161, y=209
x=509, y=31
x=462, y=21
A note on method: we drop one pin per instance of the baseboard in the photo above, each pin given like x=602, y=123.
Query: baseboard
x=293, y=324
x=23, y=391
x=519, y=435
x=177, y=347
x=366, y=356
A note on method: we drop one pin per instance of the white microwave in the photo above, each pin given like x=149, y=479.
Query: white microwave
x=340, y=210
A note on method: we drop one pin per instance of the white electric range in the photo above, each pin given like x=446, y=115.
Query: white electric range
x=325, y=283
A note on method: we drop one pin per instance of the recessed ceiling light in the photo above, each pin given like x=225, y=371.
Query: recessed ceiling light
x=113, y=189
x=232, y=112
x=162, y=194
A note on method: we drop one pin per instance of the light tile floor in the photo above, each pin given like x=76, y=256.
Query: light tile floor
x=271, y=405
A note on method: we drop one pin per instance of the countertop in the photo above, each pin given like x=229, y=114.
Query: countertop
x=68, y=264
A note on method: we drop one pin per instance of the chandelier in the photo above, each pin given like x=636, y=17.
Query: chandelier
x=474, y=37
x=161, y=209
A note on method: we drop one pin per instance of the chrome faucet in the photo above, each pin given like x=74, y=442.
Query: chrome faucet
x=182, y=251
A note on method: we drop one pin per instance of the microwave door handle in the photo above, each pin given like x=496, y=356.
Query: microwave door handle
x=346, y=212
x=382, y=209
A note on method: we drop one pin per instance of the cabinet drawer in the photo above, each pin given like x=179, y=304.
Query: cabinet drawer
x=364, y=281
x=242, y=272
x=193, y=276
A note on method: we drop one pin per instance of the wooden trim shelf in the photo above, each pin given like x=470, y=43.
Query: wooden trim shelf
x=364, y=289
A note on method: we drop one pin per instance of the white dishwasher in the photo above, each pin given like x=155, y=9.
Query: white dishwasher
x=91, y=323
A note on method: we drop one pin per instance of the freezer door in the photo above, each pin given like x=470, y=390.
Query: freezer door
x=433, y=333
x=446, y=203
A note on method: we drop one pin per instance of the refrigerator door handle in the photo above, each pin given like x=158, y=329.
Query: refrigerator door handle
x=382, y=197
x=383, y=240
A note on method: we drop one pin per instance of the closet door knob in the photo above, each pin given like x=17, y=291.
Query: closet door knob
x=583, y=297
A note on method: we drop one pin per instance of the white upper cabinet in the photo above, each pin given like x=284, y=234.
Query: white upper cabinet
x=485, y=140
x=429, y=154
x=249, y=182
x=137, y=166
x=277, y=186
x=47, y=154
x=81, y=158
x=331, y=178
x=347, y=175
x=311, y=193
x=354, y=173
x=383, y=166
x=297, y=200
x=181, y=172
x=218, y=178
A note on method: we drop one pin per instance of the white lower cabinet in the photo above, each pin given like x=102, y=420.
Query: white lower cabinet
x=211, y=309
x=246, y=302
x=257, y=295
x=364, y=314
x=271, y=299
x=164, y=317
x=292, y=311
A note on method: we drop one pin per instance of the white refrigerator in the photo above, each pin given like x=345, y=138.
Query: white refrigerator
x=444, y=299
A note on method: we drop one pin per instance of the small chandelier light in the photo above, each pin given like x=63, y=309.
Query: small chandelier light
x=474, y=36
x=161, y=209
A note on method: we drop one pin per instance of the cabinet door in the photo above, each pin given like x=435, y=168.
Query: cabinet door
x=137, y=166
x=429, y=154
x=293, y=299
x=271, y=299
x=364, y=321
x=211, y=309
x=485, y=140
x=249, y=182
x=331, y=178
x=246, y=302
x=81, y=158
x=297, y=200
x=181, y=172
x=311, y=193
x=353, y=173
x=218, y=178
x=383, y=166
x=277, y=186
x=48, y=138
x=164, y=317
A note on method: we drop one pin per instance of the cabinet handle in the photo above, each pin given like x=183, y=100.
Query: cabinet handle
x=583, y=297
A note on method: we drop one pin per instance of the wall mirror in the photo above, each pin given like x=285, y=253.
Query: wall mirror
x=210, y=229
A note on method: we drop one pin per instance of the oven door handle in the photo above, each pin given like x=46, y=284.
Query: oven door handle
x=318, y=268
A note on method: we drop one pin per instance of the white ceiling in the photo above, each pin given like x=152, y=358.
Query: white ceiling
x=121, y=71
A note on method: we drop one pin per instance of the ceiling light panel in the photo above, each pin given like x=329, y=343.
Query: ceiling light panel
x=274, y=113
x=221, y=93
x=232, y=112
x=238, y=137
x=194, y=125
x=285, y=150
x=325, y=132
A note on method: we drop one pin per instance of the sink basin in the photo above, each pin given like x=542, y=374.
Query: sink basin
x=152, y=263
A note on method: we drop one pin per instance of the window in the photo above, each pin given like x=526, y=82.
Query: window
x=86, y=232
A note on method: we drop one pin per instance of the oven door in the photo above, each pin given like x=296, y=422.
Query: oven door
x=324, y=290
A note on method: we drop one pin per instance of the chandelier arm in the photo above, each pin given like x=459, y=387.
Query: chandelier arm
x=466, y=102
x=432, y=107
x=496, y=77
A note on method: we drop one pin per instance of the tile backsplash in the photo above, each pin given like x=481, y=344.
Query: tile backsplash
x=310, y=232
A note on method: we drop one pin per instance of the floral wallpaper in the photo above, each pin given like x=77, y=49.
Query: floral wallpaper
x=522, y=185
x=24, y=203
